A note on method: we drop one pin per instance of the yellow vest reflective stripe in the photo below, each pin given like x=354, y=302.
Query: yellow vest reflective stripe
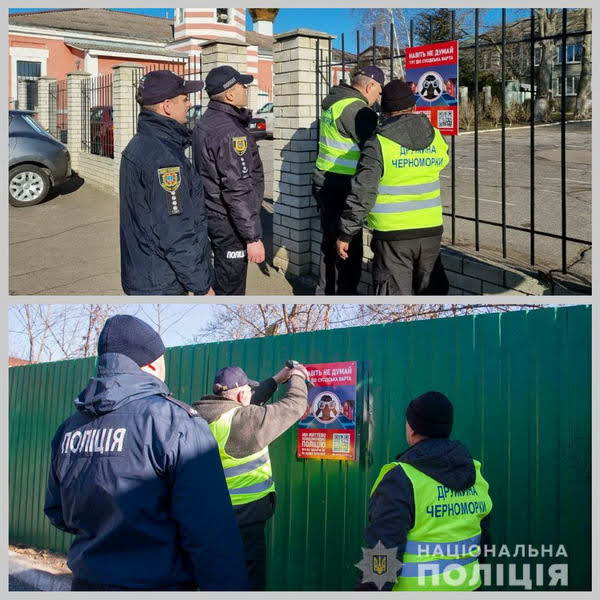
x=337, y=153
x=408, y=195
x=443, y=545
x=249, y=478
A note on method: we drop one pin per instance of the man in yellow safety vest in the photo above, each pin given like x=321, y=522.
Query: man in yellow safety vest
x=430, y=507
x=397, y=190
x=346, y=122
x=244, y=427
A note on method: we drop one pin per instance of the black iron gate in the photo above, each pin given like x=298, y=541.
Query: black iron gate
x=57, y=110
x=332, y=64
x=31, y=93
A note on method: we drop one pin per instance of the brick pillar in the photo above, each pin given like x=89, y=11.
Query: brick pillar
x=225, y=51
x=296, y=227
x=22, y=94
x=44, y=109
x=125, y=111
x=74, y=107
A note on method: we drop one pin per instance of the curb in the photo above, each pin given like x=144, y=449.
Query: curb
x=29, y=573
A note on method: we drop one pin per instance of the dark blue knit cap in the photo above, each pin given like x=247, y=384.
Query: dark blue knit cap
x=431, y=414
x=132, y=337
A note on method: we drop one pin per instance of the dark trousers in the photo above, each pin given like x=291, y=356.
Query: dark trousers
x=336, y=276
x=255, y=548
x=82, y=585
x=408, y=267
x=230, y=259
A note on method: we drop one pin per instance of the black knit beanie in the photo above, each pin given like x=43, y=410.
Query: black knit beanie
x=132, y=337
x=431, y=414
x=397, y=95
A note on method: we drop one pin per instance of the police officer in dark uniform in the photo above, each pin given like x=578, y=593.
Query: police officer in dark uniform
x=137, y=479
x=163, y=230
x=232, y=174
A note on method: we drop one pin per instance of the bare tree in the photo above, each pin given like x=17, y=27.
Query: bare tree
x=547, y=19
x=372, y=314
x=44, y=332
x=583, y=103
x=239, y=321
x=162, y=317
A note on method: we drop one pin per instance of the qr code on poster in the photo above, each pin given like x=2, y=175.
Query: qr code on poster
x=341, y=442
x=446, y=119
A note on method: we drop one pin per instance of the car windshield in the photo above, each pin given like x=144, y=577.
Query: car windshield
x=34, y=124
x=266, y=108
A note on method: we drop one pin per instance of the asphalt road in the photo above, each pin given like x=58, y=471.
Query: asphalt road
x=14, y=585
x=69, y=244
x=547, y=190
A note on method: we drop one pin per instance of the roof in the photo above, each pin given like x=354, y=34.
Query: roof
x=264, y=42
x=13, y=361
x=117, y=47
x=117, y=24
x=101, y=21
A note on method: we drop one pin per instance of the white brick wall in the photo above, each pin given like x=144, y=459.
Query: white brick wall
x=296, y=225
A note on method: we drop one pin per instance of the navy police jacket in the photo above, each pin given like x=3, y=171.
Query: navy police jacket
x=164, y=237
x=137, y=479
x=231, y=168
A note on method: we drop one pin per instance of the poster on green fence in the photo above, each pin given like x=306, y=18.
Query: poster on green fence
x=327, y=429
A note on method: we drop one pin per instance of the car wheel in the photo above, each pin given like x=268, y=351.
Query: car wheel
x=27, y=185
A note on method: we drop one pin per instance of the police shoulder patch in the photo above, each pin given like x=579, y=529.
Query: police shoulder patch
x=240, y=145
x=190, y=410
x=169, y=178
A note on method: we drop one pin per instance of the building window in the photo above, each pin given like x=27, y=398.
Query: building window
x=574, y=53
x=537, y=56
x=26, y=68
x=178, y=16
x=571, y=83
x=223, y=15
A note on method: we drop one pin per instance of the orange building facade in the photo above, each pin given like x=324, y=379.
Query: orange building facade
x=56, y=42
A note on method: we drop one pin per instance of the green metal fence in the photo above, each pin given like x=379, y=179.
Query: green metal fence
x=521, y=386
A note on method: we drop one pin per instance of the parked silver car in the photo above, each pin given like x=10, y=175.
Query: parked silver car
x=37, y=160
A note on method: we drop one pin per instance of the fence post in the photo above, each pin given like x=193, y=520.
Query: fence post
x=125, y=112
x=22, y=94
x=253, y=103
x=296, y=227
x=223, y=52
x=75, y=80
x=43, y=108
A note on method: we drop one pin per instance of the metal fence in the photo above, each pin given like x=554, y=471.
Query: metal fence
x=97, y=133
x=333, y=64
x=523, y=409
x=28, y=101
x=58, y=121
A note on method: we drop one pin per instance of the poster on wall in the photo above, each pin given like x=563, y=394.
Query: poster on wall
x=328, y=427
x=432, y=72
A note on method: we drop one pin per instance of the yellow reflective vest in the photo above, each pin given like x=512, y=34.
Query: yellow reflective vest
x=408, y=195
x=337, y=153
x=443, y=545
x=249, y=478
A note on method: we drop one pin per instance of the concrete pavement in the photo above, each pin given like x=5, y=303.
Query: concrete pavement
x=69, y=244
x=28, y=574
